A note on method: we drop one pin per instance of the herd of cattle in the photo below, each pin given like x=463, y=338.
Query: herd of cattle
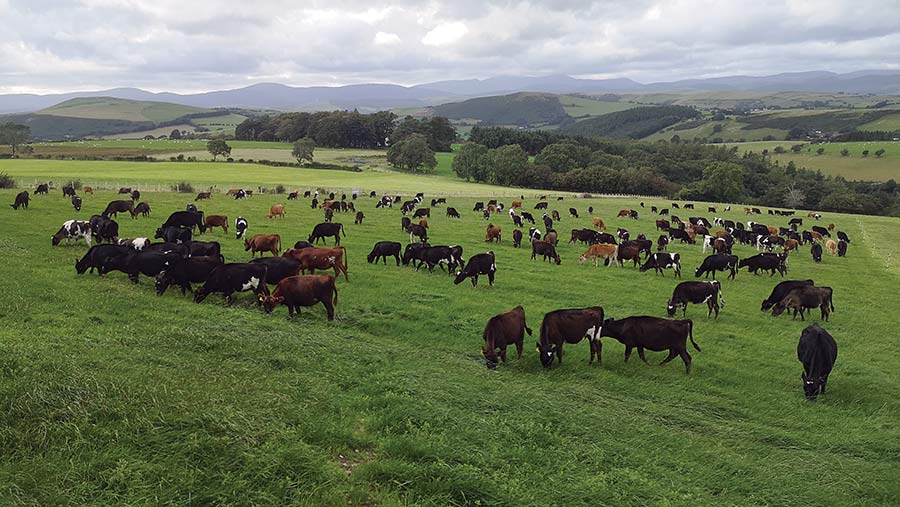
x=179, y=259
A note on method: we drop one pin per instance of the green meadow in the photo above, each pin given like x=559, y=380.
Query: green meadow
x=853, y=166
x=112, y=395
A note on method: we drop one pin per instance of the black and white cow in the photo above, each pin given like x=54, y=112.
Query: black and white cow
x=817, y=351
x=709, y=292
x=71, y=230
x=136, y=244
x=174, y=234
x=76, y=202
x=480, y=264
x=661, y=261
x=240, y=226
x=234, y=277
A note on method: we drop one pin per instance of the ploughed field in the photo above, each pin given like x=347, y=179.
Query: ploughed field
x=113, y=395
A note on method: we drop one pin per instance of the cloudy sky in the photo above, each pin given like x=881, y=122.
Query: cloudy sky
x=195, y=45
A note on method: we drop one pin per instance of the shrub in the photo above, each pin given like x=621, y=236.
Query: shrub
x=7, y=181
x=279, y=189
x=183, y=187
x=76, y=184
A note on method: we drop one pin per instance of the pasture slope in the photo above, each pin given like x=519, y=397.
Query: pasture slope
x=112, y=395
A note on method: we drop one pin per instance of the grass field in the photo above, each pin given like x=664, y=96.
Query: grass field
x=731, y=129
x=108, y=108
x=113, y=395
x=852, y=167
x=579, y=106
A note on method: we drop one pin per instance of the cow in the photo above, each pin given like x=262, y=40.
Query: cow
x=583, y=236
x=821, y=230
x=116, y=207
x=190, y=219
x=517, y=238
x=551, y=237
x=540, y=205
x=662, y=242
x=628, y=252
x=303, y=244
x=432, y=256
x=104, y=229
x=416, y=230
x=329, y=215
x=598, y=223
x=546, y=249
x=709, y=292
x=624, y=213
x=148, y=263
x=515, y=204
x=573, y=212
x=278, y=268
x=173, y=234
x=773, y=263
x=192, y=270
x=791, y=245
x=384, y=249
x=203, y=195
x=423, y=223
x=205, y=248
x=831, y=246
x=276, y=211
x=548, y=222
x=71, y=230
x=234, y=277
x=97, y=255
x=263, y=243
x=480, y=264
x=181, y=249
x=324, y=230
x=141, y=244
x=452, y=213
x=502, y=330
x=517, y=220
x=652, y=333
x=303, y=290
x=663, y=225
x=312, y=259
x=805, y=298
x=422, y=212
x=142, y=209
x=359, y=218
x=816, y=252
x=293, y=196
x=191, y=207
x=842, y=248
x=781, y=290
x=681, y=234
x=124, y=190
x=88, y=190
x=711, y=209
x=69, y=190
x=568, y=326
x=492, y=234
x=600, y=251
x=240, y=227
x=843, y=236
x=528, y=217
x=622, y=234
x=42, y=189
x=76, y=203
x=240, y=194
x=479, y=206
x=717, y=262
x=135, y=195
x=817, y=351
x=216, y=221
x=662, y=261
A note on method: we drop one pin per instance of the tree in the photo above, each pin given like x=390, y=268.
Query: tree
x=217, y=147
x=794, y=197
x=779, y=149
x=508, y=161
x=472, y=162
x=412, y=153
x=842, y=201
x=722, y=182
x=676, y=139
x=562, y=157
x=717, y=128
x=303, y=149
x=176, y=134
x=14, y=135
x=879, y=152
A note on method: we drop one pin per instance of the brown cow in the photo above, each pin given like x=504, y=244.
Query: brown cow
x=628, y=253
x=545, y=249
x=303, y=290
x=600, y=251
x=203, y=195
x=502, y=330
x=217, y=221
x=263, y=243
x=598, y=222
x=773, y=231
x=277, y=210
x=830, y=227
x=514, y=205
x=791, y=244
x=817, y=236
x=321, y=258
x=423, y=223
x=568, y=326
x=624, y=213
x=327, y=203
x=232, y=191
x=493, y=233
x=329, y=215
x=359, y=217
x=552, y=237
x=88, y=190
x=831, y=246
x=492, y=208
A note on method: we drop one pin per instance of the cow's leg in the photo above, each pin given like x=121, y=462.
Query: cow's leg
x=290, y=311
x=628, y=349
x=519, y=346
x=641, y=355
x=503, y=353
x=228, y=298
x=687, y=361
x=491, y=278
x=475, y=281
x=670, y=357
x=396, y=256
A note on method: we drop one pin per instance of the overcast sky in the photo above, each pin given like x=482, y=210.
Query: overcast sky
x=194, y=45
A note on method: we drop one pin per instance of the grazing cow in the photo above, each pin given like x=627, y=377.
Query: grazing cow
x=682, y=235
x=423, y=223
x=568, y=326
x=663, y=225
x=322, y=231
x=486, y=214
x=186, y=219
x=263, y=243
x=276, y=211
x=502, y=330
x=149, y=263
x=546, y=249
x=600, y=251
x=598, y=223
x=781, y=290
x=315, y=203
x=303, y=290
x=711, y=209
x=551, y=237
x=821, y=230
x=517, y=220
x=805, y=298
x=416, y=230
x=329, y=215
x=234, y=277
x=816, y=252
x=384, y=249
x=517, y=238
x=534, y=234
x=71, y=230
x=662, y=261
x=205, y=248
x=312, y=259
x=515, y=204
x=651, y=333
x=717, y=262
x=773, y=263
x=115, y=207
x=452, y=213
x=124, y=190
x=697, y=293
x=278, y=268
x=842, y=248
x=141, y=244
x=216, y=221
x=791, y=245
x=240, y=194
x=240, y=227
x=359, y=218
x=432, y=256
x=142, y=209
x=816, y=236
x=479, y=206
x=623, y=234
x=191, y=207
x=76, y=203
x=628, y=252
x=104, y=229
x=42, y=189
x=185, y=272
x=662, y=242
x=573, y=212
x=302, y=244
x=88, y=190
x=541, y=205
x=843, y=236
x=172, y=234
x=422, y=212
x=583, y=235
x=492, y=234
x=548, y=222
x=135, y=195
x=293, y=196
x=528, y=217
x=480, y=264
x=203, y=195
x=97, y=255
x=405, y=222
x=817, y=351
x=831, y=246
x=69, y=191
x=624, y=213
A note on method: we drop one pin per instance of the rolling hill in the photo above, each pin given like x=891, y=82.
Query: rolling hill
x=109, y=108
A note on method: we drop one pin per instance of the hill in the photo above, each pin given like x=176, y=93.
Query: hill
x=110, y=108
x=521, y=109
x=632, y=123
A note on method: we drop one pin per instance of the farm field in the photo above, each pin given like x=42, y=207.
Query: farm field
x=114, y=395
x=852, y=167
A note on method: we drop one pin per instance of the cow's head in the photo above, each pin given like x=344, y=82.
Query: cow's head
x=200, y=294
x=54, y=240
x=159, y=234
x=270, y=302
x=246, y=244
x=811, y=386
x=490, y=358
x=670, y=308
x=545, y=352
x=778, y=309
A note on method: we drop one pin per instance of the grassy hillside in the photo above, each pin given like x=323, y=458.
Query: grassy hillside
x=108, y=108
x=852, y=167
x=114, y=395
x=632, y=123
x=517, y=109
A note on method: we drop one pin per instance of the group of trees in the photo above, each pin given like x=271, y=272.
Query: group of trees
x=14, y=135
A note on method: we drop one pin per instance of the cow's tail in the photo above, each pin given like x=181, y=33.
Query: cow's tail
x=721, y=295
x=334, y=299
x=527, y=329
x=343, y=231
x=344, y=257
x=691, y=334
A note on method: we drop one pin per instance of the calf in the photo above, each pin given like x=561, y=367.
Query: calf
x=192, y=270
x=831, y=246
x=203, y=195
x=293, y=196
x=817, y=351
x=312, y=259
x=303, y=290
x=568, y=326
x=97, y=255
x=263, y=243
x=76, y=203
x=546, y=249
x=71, y=230
x=598, y=223
x=88, y=190
x=359, y=218
x=216, y=221
x=42, y=189
x=234, y=277
x=276, y=211
x=493, y=233
x=116, y=207
x=240, y=227
x=662, y=261
x=142, y=209
x=174, y=234
x=774, y=263
x=324, y=230
x=480, y=264
x=717, y=262
x=278, y=268
x=781, y=290
x=805, y=298
x=696, y=292
x=651, y=333
x=384, y=249
x=600, y=251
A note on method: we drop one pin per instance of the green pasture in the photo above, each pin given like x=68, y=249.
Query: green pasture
x=576, y=106
x=852, y=167
x=108, y=108
x=113, y=395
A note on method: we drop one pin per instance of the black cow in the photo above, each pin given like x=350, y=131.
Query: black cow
x=806, y=298
x=821, y=230
x=181, y=249
x=480, y=264
x=22, y=199
x=774, y=263
x=781, y=290
x=148, y=263
x=452, y=213
x=325, y=230
x=662, y=242
x=240, y=227
x=517, y=238
x=545, y=249
x=42, y=189
x=440, y=255
x=142, y=209
x=413, y=252
x=651, y=333
x=568, y=326
x=573, y=212
x=69, y=191
x=173, y=234
x=717, y=262
x=842, y=248
x=517, y=220
x=231, y=278
x=479, y=206
x=384, y=249
x=116, y=207
x=189, y=219
x=816, y=251
x=843, y=236
x=104, y=229
x=135, y=195
x=76, y=202
x=302, y=244
x=405, y=222
x=662, y=261
x=540, y=205
x=97, y=255
x=416, y=230
x=278, y=268
x=205, y=248
x=680, y=234
x=191, y=207
x=817, y=351
x=696, y=292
